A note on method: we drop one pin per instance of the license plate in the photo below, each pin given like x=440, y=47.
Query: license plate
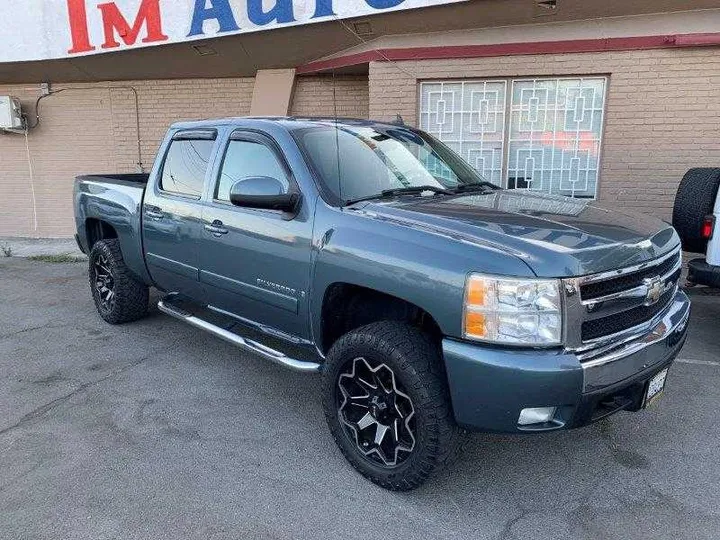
x=655, y=387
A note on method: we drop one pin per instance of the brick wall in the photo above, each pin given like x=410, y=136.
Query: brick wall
x=314, y=96
x=71, y=139
x=91, y=129
x=663, y=111
x=162, y=103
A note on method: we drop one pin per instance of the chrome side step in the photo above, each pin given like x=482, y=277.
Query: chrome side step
x=244, y=343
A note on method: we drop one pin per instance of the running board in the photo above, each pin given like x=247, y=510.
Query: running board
x=239, y=341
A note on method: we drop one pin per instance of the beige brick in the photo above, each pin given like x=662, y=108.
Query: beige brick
x=90, y=128
x=314, y=96
x=663, y=111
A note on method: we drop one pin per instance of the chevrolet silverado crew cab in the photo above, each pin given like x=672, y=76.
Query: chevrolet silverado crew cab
x=431, y=301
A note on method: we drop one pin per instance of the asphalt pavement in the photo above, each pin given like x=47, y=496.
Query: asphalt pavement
x=158, y=430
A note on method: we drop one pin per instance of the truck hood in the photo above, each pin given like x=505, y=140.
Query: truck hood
x=555, y=236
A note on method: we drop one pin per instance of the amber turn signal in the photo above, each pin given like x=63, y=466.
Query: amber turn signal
x=475, y=324
x=476, y=292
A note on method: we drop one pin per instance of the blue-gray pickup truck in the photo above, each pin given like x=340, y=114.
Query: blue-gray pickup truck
x=431, y=301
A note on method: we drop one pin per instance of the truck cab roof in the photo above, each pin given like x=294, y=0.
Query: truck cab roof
x=290, y=123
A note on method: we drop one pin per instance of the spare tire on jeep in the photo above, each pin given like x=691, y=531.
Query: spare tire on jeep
x=694, y=200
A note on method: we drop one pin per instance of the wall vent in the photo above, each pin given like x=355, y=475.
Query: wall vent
x=204, y=50
x=362, y=28
x=545, y=8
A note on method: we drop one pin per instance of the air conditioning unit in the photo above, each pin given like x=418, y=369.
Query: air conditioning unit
x=10, y=113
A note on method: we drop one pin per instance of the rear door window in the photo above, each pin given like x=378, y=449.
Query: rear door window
x=186, y=164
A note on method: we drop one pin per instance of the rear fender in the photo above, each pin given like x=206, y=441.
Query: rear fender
x=119, y=207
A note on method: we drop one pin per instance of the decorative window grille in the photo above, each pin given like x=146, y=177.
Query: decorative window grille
x=541, y=134
x=469, y=117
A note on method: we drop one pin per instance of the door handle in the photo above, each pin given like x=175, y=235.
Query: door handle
x=153, y=212
x=216, y=228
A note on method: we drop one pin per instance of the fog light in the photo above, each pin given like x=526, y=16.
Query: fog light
x=538, y=415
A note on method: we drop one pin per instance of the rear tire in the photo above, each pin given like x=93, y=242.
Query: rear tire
x=694, y=200
x=407, y=404
x=118, y=296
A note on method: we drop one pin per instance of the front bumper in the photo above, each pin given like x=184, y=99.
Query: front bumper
x=489, y=386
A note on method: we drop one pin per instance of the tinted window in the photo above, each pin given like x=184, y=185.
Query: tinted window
x=244, y=159
x=360, y=161
x=185, y=167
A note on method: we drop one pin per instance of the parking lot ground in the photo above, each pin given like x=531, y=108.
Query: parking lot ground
x=157, y=430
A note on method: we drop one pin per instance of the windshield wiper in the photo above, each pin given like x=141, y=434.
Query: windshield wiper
x=475, y=186
x=409, y=190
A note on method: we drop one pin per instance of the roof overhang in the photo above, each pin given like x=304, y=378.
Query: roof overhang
x=665, y=30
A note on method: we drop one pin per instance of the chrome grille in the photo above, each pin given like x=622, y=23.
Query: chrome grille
x=612, y=324
x=612, y=305
x=591, y=291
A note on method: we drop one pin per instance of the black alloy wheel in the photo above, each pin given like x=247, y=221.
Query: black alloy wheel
x=104, y=283
x=376, y=412
x=119, y=296
x=386, y=402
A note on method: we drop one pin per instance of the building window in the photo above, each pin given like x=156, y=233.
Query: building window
x=539, y=134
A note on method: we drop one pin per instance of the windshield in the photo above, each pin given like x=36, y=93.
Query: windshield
x=373, y=159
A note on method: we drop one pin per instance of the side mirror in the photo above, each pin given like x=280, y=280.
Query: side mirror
x=263, y=192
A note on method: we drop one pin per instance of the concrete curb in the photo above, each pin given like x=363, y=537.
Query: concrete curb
x=39, y=247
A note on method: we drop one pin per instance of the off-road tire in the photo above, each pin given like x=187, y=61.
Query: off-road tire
x=417, y=365
x=131, y=296
x=694, y=200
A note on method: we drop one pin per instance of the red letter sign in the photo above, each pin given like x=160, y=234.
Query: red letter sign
x=78, y=27
x=113, y=20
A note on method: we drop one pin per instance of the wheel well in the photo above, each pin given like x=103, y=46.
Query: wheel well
x=346, y=307
x=96, y=229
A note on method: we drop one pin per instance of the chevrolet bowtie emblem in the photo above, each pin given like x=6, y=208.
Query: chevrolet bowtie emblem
x=655, y=288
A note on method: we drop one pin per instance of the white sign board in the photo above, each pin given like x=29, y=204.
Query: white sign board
x=46, y=29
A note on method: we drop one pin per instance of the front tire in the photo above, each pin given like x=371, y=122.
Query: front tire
x=118, y=296
x=387, y=405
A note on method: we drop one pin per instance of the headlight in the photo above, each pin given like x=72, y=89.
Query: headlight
x=512, y=310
